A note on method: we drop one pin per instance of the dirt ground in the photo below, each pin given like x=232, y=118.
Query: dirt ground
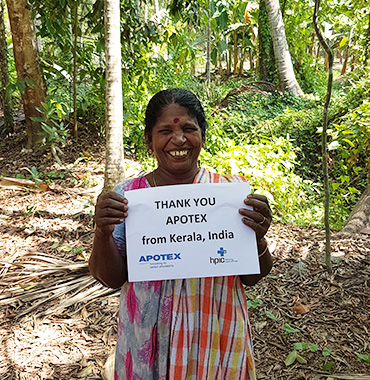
x=324, y=317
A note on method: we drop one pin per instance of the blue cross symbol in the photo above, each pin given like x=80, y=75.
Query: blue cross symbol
x=222, y=251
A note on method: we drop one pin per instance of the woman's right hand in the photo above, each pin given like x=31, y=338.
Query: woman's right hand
x=110, y=209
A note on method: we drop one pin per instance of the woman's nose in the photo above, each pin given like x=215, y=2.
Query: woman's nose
x=179, y=138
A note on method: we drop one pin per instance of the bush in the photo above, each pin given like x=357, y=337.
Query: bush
x=269, y=165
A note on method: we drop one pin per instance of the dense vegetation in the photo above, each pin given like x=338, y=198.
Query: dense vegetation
x=272, y=138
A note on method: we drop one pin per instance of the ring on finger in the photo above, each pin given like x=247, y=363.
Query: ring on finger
x=262, y=221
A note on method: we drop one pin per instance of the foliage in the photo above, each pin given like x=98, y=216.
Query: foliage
x=300, y=349
x=269, y=166
x=350, y=147
x=52, y=125
x=363, y=357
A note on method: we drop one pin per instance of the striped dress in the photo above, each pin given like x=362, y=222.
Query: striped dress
x=189, y=329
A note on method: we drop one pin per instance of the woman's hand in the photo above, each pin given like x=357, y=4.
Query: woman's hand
x=110, y=209
x=259, y=218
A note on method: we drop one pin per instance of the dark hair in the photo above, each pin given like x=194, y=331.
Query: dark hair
x=183, y=98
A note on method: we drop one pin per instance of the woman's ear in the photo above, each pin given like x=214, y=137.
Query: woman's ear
x=148, y=143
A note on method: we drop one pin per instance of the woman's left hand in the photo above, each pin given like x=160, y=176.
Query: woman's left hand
x=259, y=218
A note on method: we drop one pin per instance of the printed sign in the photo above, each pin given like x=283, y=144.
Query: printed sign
x=189, y=231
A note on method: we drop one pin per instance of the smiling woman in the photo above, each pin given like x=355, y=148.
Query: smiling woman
x=175, y=133
x=195, y=328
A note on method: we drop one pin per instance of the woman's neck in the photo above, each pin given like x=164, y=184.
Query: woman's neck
x=163, y=178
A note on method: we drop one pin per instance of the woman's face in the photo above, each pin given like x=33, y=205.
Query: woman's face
x=176, y=140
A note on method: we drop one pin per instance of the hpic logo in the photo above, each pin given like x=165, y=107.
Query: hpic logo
x=217, y=260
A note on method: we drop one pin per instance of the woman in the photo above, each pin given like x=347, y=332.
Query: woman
x=177, y=329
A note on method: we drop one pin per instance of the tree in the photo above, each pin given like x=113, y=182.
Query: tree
x=324, y=146
x=287, y=80
x=4, y=93
x=27, y=63
x=360, y=215
x=114, y=169
x=266, y=57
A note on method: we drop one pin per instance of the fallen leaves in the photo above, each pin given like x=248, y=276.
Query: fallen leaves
x=300, y=308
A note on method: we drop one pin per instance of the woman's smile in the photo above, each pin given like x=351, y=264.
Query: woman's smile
x=179, y=153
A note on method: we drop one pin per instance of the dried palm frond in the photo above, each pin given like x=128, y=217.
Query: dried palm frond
x=32, y=280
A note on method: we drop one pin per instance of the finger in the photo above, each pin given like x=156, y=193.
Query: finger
x=261, y=206
x=254, y=216
x=260, y=230
x=114, y=202
x=106, y=222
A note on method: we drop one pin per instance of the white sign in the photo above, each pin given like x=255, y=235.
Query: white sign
x=189, y=231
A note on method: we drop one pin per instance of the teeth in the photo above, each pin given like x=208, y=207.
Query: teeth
x=179, y=153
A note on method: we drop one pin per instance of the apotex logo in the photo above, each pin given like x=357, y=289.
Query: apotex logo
x=160, y=257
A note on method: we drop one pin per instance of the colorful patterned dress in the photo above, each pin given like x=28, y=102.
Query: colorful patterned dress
x=191, y=329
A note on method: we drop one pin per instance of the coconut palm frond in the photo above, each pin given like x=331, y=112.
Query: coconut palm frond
x=34, y=279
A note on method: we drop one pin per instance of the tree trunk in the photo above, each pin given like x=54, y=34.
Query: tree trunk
x=114, y=167
x=367, y=43
x=208, y=63
x=360, y=215
x=345, y=61
x=229, y=60
x=75, y=37
x=235, y=52
x=312, y=45
x=266, y=57
x=284, y=66
x=4, y=93
x=27, y=63
x=324, y=147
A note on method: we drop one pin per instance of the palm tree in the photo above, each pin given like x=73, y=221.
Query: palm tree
x=284, y=66
x=114, y=168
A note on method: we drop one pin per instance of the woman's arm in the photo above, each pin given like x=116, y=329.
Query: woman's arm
x=265, y=260
x=259, y=219
x=106, y=264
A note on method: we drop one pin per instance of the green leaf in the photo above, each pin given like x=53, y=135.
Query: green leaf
x=55, y=245
x=291, y=358
x=343, y=42
x=301, y=359
x=363, y=357
x=270, y=315
x=328, y=366
x=289, y=329
x=252, y=304
x=300, y=346
x=37, y=119
x=30, y=82
x=326, y=352
x=349, y=142
x=335, y=186
x=21, y=86
x=313, y=347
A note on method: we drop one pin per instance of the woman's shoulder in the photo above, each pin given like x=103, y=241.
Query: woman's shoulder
x=210, y=176
x=131, y=184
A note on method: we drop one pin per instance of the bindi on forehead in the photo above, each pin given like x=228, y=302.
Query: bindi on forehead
x=176, y=120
